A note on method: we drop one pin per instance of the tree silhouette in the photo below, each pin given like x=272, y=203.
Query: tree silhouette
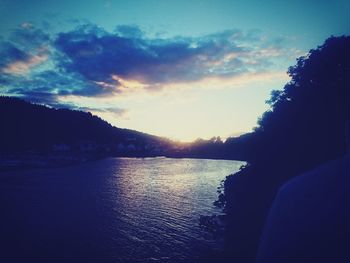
x=32, y=128
x=305, y=127
x=307, y=118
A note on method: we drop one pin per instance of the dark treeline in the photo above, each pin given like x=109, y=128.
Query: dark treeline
x=29, y=130
x=304, y=128
x=214, y=148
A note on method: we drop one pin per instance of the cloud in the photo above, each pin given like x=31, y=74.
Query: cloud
x=129, y=31
x=24, y=65
x=27, y=25
x=27, y=37
x=26, y=48
x=53, y=82
x=118, y=112
x=41, y=97
x=91, y=62
x=128, y=54
x=10, y=53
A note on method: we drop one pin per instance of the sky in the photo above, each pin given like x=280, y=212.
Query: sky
x=179, y=69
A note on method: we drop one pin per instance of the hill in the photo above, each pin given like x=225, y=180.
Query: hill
x=32, y=133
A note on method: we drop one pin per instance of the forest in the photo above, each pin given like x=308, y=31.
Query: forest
x=304, y=128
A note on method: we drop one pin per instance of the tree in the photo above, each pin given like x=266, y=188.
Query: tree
x=304, y=127
x=308, y=117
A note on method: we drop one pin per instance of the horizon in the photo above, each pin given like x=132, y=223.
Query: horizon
x=177, y=70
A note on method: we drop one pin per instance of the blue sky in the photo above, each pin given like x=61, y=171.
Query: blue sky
x=180, y=69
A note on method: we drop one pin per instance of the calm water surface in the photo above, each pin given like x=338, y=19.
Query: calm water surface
x=113, y=210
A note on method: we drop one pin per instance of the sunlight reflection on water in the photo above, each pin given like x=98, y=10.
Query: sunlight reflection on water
x=113, y=210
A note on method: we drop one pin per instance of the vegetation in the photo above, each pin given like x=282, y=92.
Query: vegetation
x=305, y=127
x=29, y=129
x=32, y=133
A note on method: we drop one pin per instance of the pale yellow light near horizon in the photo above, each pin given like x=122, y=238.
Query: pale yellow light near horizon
x=186, y=111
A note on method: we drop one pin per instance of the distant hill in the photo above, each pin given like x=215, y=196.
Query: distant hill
x=35, y=135
x=29, y=129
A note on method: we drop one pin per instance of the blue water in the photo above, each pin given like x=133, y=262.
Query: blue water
x=113, y=210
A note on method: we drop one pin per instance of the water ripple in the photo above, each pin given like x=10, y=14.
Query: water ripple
x=113, y=210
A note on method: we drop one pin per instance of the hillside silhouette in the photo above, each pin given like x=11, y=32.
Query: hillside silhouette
x=304, y=128
x=32, y=130
x=29, y=130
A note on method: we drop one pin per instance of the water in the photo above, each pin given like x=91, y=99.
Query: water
x=113, y=210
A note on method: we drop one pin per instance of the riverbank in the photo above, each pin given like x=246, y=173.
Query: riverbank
x=248, y=195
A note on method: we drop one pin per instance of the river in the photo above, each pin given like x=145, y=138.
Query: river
x=112, y=210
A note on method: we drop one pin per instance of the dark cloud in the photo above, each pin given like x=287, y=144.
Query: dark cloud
x=98, y=55
x=89, y=61
x=25, y=48
x=10, y=53
x=54, y=82
x=40, y=96
x=128, y=54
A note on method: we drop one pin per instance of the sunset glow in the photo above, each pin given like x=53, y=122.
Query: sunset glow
x=179, y=78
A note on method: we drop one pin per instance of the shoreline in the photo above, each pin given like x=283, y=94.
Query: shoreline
x=57, y=160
